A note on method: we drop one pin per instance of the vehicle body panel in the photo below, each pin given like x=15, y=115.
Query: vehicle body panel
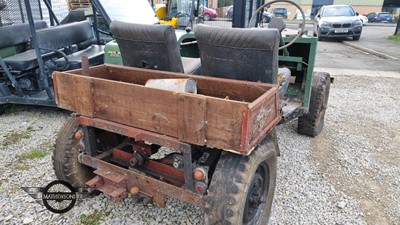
x=337, y=21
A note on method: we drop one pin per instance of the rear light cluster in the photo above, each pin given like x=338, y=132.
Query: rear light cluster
x=200, y=174
x=79, y=137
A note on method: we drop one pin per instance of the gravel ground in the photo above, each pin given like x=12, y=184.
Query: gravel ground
x=347, y=175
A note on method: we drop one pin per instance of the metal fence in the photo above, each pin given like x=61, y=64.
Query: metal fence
x=14, y=11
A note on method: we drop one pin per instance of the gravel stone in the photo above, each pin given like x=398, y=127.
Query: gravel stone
x=341, y=205
x=355, y=161
x=27, y=220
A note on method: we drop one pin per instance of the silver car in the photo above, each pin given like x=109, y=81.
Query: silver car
x=337, y=21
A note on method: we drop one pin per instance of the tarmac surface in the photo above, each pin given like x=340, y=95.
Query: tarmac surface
x=375, y=42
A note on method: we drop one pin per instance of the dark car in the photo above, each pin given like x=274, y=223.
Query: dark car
x=379, y=17
x=280, y=13
x=266, y=16
x=3, y=4
x=337, y=21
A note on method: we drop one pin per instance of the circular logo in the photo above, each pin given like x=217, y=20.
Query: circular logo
x=59, y=196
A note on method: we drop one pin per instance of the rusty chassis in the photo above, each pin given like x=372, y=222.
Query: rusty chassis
x=150, y=182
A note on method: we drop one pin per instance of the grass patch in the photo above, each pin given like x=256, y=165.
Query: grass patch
x=21, y=167
x=14, y=137
x=394, y=38
x=38, y=152
x=35, y=153
x=91, y=219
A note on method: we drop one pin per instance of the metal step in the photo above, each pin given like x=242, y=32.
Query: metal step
x=109, y=183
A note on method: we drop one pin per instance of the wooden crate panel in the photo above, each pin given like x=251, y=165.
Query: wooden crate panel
x=226, y=114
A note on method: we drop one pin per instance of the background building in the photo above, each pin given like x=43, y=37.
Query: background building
x=361, y=6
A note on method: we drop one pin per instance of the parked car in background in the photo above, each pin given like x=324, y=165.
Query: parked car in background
x=280, y=13
x=363, y=19
x=266, y=17
x=209, y=14
x=229, y=12
x=380, y=17
x=3, y=4
x=337, y=21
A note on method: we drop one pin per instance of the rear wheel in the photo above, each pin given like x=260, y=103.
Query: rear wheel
x=312, y=123
x=65, y=157
x=242, y=187
x=319, y=35
x=207, y=17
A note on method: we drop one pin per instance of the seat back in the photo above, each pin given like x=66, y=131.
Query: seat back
x=57, y=37
x=148, y=46
x=248, y=54
x=17, y=34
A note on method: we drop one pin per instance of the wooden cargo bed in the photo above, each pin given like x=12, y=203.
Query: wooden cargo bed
x=226, y=114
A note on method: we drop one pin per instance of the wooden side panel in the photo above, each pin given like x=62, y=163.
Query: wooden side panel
x=224, y=123
x=150, y=109
x=210, y=86
x=262, y=116
x=74, y=93
x=192, y=126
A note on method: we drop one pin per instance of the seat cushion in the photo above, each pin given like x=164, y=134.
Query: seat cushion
x=95, y=53
x=25, y=60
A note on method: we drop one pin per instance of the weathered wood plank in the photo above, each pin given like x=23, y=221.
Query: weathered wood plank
x=74, y=93
x=192, y=122
x=150, y=109
x=224, y=123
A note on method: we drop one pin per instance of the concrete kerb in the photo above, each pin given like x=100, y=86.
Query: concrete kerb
x=334, y=72
x=370, y=51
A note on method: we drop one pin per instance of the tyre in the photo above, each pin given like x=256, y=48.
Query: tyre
x=319, y=35
x=356, y=38
x=312, y=123
x=200, y=20
x=65, y=157
x=189, y=24
x=265, y=19
x=206, y=17
x=242, y=187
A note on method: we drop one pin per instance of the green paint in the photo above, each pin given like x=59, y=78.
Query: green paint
x=112, y=55
x=8, y=51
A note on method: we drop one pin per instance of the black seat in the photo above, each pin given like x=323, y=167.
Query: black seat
x=77, y=34
x=152, y=47
x=239, y=53
x=17, y=34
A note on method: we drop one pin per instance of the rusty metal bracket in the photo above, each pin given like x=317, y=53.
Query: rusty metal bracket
x=187, y=165
x=89, y=140
x=144, y=184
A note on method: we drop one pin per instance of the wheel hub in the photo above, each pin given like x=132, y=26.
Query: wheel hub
x=256, y=195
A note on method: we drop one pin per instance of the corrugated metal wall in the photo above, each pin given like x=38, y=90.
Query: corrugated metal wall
x=359, y=2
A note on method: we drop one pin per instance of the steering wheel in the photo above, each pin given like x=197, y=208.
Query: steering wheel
x=302, y=25
x=59, y=66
